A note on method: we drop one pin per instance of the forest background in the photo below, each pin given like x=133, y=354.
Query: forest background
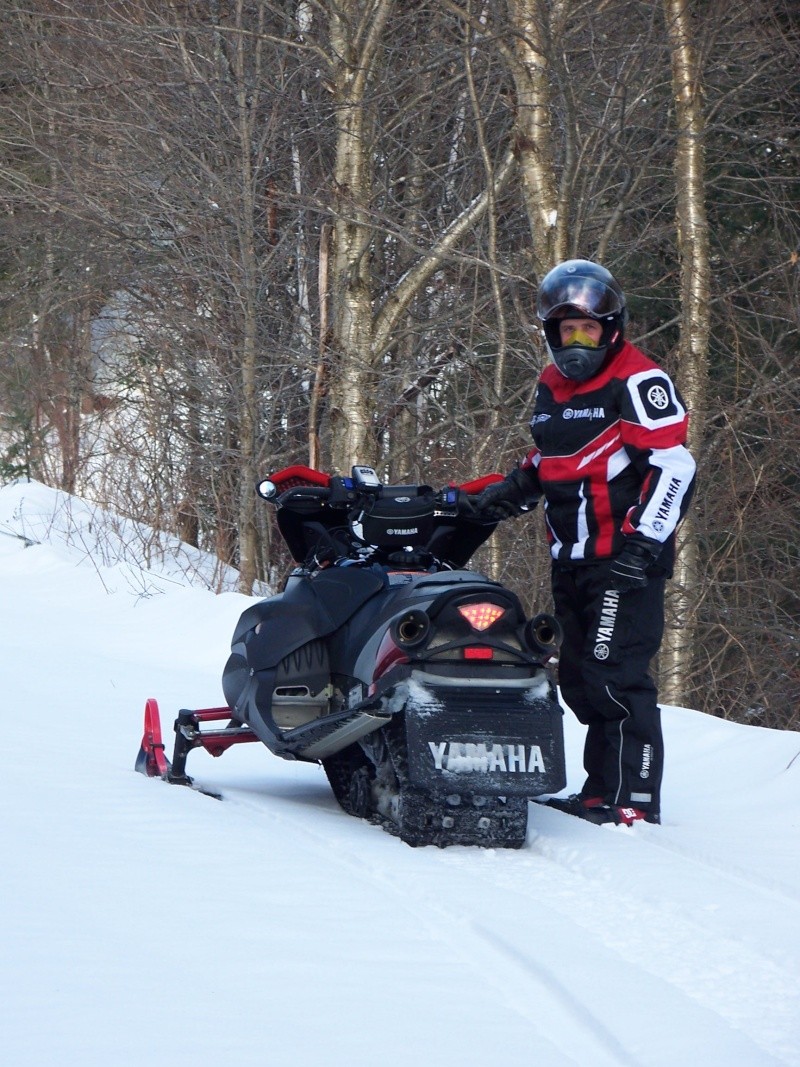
x=235, y=236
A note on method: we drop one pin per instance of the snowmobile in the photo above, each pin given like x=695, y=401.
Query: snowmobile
x=421, y=687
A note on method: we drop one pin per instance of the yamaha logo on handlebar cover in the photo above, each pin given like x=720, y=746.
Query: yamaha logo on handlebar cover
x=394, y=521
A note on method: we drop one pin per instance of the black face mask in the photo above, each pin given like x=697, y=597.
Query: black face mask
x=578, y=363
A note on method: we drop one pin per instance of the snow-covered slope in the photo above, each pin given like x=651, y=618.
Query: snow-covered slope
x=144, y=924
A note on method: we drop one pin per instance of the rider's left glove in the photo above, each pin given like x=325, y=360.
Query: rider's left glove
x=629, y=569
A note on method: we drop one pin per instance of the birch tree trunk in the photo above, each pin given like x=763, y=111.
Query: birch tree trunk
x=356, y=29
x=247, y=108
x=530, y=68
x=693, y=242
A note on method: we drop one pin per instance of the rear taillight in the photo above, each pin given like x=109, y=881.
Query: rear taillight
x=478, y=652
x=481, y=616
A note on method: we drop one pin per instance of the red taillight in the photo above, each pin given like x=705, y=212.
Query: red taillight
x=481, y=616
x=478, y=652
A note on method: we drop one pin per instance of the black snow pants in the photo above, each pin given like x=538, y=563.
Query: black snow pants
x=609, y=640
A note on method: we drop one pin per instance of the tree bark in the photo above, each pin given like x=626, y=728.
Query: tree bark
x=693, y=243
x=248, y=414
x=355, y=55
x=533, y=132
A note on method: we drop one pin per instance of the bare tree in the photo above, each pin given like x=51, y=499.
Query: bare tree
x=535, y=25
x=364, y=327
x=695, y=270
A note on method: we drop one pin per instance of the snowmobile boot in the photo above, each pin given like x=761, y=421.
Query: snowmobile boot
x=618, y=815
x=576, y=804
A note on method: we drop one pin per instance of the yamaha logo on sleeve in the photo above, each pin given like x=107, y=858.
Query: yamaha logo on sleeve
x=657, y=398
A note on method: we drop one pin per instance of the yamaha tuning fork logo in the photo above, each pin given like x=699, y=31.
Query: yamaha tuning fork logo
x=658, y=397
x=654, y=398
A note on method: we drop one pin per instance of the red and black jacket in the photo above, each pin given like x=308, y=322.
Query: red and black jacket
x=610, y=458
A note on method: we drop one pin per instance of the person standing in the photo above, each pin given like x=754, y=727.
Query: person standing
x=610, y=460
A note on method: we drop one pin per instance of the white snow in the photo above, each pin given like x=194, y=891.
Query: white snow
x=147, y=925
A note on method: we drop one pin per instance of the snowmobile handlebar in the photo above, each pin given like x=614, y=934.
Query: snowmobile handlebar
x=303, y=489
x=345, y=517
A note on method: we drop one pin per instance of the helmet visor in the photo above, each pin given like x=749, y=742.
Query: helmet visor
x=592, y=296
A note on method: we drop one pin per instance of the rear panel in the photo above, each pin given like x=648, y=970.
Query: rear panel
x=488, y=740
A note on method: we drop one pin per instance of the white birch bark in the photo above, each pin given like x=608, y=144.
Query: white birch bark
x=693, y=242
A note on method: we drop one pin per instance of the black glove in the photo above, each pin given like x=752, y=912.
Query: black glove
x=506, y=499
x=628, y=570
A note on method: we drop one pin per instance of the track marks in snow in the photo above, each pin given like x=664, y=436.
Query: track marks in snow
x=514, y=920
x=698, y=943
x=364, y=864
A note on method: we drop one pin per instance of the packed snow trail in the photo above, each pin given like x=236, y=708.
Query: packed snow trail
x=599, y=966
x=145, y=923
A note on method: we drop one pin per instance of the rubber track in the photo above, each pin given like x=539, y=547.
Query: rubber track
x=495, y=822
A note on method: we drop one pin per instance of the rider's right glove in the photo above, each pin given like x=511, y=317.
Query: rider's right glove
x=507, y=499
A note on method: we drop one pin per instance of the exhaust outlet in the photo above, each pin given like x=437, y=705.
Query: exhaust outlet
x=411, y=629
x=543, y=634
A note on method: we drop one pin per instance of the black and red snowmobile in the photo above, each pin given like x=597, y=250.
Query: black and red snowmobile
x=420, y=686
